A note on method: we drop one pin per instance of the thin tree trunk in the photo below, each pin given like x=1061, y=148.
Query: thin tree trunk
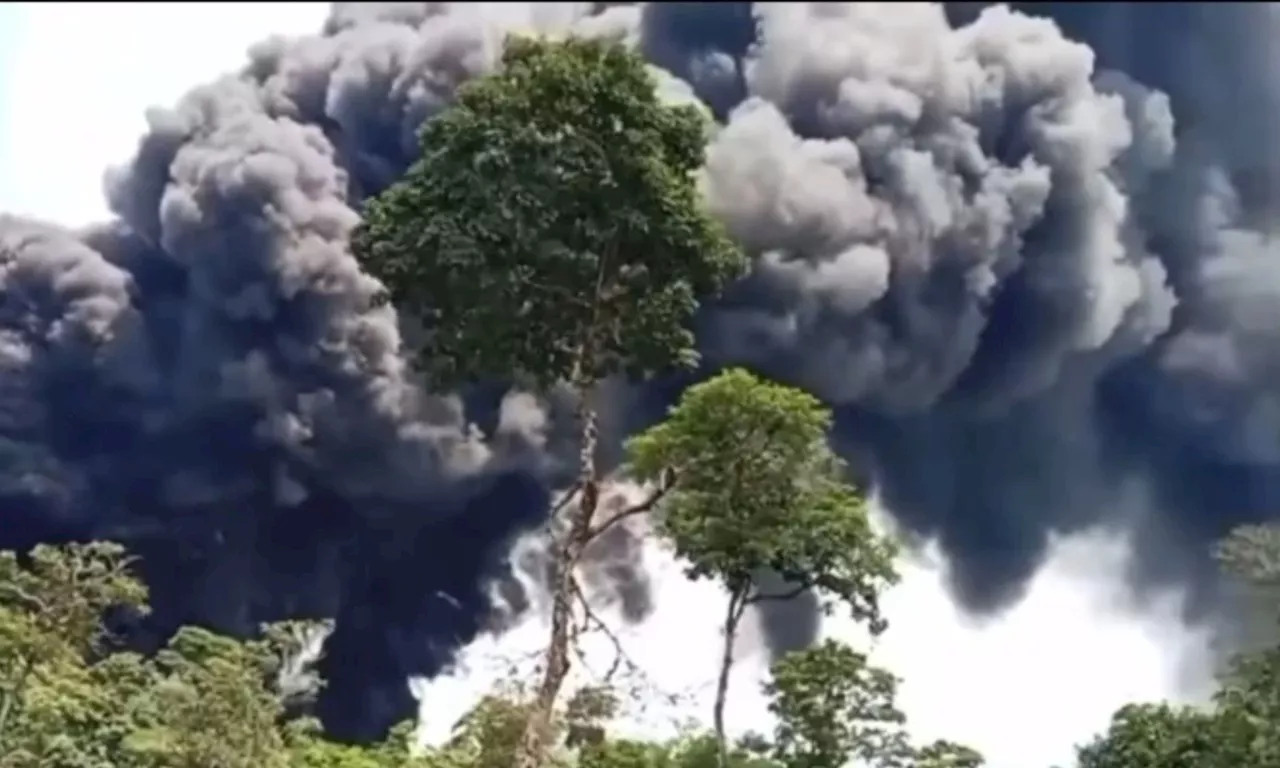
x=534, y=743
x=11, y=697
x=737, y=605
x=5, y=708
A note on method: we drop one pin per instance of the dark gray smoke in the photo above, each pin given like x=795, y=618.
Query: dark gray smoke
x=1025, y=254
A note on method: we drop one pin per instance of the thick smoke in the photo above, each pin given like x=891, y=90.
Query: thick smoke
x=1025, y=254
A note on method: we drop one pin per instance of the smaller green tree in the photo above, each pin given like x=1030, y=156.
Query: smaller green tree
x=488, y=736
x=1248, y=697
x=758, y=489
x=1252, y=552
x=833, y=707
x=703, y=750
x=948, y=754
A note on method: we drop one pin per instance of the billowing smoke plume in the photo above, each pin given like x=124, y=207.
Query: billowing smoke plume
x=1025, y=254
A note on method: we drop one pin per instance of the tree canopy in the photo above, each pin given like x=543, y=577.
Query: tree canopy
x=834, y=707
x=552, y=227
x=759, y=488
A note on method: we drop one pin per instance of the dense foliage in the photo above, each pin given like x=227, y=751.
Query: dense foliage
x=758, y=490
x=552, y=226
x=212, y=702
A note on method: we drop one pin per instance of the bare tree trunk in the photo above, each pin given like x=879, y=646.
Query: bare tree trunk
x=737, y=605
x=534, y=744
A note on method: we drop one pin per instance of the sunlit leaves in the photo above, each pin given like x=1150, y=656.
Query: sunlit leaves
x=553, y=206
x=1157, y=736
x=834, y=709
x=760, y=489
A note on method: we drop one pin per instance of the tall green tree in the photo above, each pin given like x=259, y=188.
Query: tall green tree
x=1252, y=553
x=760, y=490
x=1248, y=698
x=552, y=230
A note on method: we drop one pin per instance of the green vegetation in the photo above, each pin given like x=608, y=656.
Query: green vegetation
x=208, y=701
x=553, y=228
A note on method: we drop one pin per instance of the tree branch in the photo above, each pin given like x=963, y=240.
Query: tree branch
x=665, y=484
x=564, y=500
x=592, y=621
x=27, y=600
x=790, y=594
x=622, y=660
x=560, y=293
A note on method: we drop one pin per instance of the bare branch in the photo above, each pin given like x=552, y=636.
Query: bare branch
x=644, y=691
x=665, y=484
x=593, y=621
x=568, y=496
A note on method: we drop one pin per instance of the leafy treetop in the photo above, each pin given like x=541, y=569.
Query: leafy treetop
x=835, y=709
x=759, y=488
x=552, y=227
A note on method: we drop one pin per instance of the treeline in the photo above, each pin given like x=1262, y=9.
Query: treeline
x=67, y=700
x=552, y=234
x=208, y=701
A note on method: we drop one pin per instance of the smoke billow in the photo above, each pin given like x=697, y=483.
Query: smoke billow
x=1025, y=254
